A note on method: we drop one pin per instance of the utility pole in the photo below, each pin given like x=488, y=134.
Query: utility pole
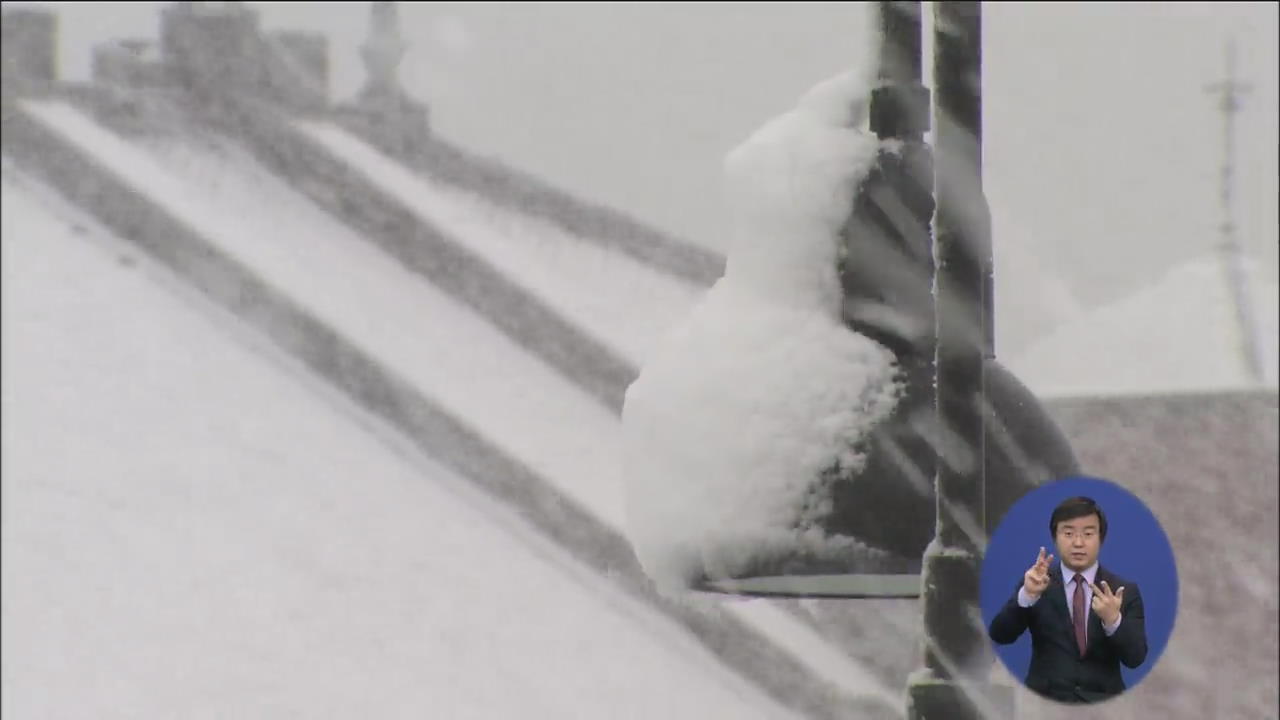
x=1229, y=93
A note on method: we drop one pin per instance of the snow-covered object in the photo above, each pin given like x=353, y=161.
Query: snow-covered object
x=1178, y=335
x=761, y=391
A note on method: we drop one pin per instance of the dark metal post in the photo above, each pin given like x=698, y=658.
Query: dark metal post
x=886, y=262
x=886, y=265
x=964, y=225
x=886, y=271
x=957, y=656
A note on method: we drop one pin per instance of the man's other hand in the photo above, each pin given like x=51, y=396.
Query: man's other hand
x=1036, y=579
x=1106, y=604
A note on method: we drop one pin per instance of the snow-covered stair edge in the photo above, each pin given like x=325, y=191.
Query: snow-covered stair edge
x=451, y=164
x=229, y=284
x=430, y=251
x=422, y=247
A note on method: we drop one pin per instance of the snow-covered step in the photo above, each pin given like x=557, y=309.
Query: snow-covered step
x=531, y=197
x=393, y=225
x=192, y=529
x=614, y=297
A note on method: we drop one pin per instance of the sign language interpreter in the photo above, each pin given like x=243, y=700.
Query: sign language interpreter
x=1085, y=620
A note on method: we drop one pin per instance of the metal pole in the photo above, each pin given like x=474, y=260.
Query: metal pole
x=886, y=269
x=887, y=259
x=953, y=684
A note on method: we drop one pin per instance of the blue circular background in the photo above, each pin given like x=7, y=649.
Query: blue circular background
x=1136, y=548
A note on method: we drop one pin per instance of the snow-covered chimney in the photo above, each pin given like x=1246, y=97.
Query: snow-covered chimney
x=29, y=48
x=212, y=48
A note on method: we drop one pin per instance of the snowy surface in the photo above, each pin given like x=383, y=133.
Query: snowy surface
x=445, y=349
x=762, y=388
x=590, y=285
x=193, y=528
x=1178, y=335
x=830, y=660
x=449, y=353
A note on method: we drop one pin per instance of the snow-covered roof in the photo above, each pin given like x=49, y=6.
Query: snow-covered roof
x=1177, y=335
x=1205, y=464
x=343, y=280
x=190, y=528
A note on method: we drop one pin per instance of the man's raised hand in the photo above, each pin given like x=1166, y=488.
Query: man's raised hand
x=1106, y=604
x=1036, y=579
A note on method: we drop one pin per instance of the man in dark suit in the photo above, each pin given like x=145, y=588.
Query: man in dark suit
x=1084, y=619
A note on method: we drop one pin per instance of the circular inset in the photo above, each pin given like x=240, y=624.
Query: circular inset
x=1029, y=601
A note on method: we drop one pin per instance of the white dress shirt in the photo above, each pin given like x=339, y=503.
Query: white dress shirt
x=1068, y=587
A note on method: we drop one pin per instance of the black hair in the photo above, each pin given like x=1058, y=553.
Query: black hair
x=1077, y=507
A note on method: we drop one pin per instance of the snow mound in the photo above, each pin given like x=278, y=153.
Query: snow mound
x=730, y=426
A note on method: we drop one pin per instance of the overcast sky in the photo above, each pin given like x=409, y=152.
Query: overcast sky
x=1102, y=148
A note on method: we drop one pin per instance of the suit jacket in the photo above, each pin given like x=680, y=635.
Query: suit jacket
x=1057, y=671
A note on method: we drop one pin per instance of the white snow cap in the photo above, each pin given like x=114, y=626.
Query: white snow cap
x=730, y=425
x=789, y=188
x=1179, y=334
